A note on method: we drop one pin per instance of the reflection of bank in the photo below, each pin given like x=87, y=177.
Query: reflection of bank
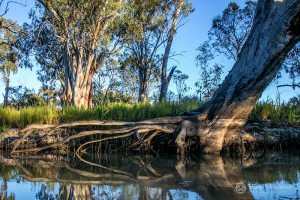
x=136, y=177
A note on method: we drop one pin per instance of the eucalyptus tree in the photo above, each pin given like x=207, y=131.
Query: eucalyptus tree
x=146, y=23
x=227, y=36
x=8, y=53
x=80, y=35
x=46, y=49
x=21, y=97
x=180, y=82
x=111, y=84
x=142, y=68
x=210, y=77
x=153, y=25
x=274, y=32
x=180, y=10
x=230, y=30
x=130, y=82
x=291, y=66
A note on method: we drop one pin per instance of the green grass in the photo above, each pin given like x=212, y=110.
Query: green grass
x=286, y=114
x=127, y=112
x=10, y=117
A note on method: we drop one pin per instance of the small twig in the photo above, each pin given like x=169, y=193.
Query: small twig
x=145, y=144
x=287, y=85
x=107, y=138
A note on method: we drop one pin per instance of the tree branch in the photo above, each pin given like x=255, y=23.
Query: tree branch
x=288, y=85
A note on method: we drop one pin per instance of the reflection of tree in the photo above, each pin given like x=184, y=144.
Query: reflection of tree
x=81, y=191
x=3, y=191
x=64, y=191
x=7, y=173
x=44, y=193
x=136, y=177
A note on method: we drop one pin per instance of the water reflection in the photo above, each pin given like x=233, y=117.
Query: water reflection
x=147, y=177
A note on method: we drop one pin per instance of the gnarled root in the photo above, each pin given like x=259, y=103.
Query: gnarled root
x=165, y=125
x=185, y=128
x=211, y=136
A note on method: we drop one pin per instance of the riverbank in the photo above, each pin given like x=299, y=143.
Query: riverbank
x=266, y=136
x=76, y=137
x=268, y=126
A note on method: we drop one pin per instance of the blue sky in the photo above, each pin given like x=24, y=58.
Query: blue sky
x=188, y=38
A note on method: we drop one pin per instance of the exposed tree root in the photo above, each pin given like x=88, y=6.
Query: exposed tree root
x=124, y=129
x=182, y=129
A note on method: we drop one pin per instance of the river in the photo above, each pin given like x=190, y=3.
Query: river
x=259, y=175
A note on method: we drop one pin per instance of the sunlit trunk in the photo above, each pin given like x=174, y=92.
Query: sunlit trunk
x=81, y=192
x=78, y=79
x=7, y=81
x=143, y=86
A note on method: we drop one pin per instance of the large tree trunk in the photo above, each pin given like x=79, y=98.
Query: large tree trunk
x=6, y=91
x=78, y=78
x=143, y=86
x=275, y=31
x=165, y=79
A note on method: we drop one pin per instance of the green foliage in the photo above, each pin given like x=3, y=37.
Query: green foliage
x=285, y=114
x=127, y=112
x=11, y=117
x=152, y=26
x=230, y=30
x=21, y=97
x=8, y=52
x=291, y=66
x=179, y=79
x=227, y=36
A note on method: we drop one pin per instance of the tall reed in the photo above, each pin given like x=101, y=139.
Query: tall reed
x=10, y=117
x=285, y=114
